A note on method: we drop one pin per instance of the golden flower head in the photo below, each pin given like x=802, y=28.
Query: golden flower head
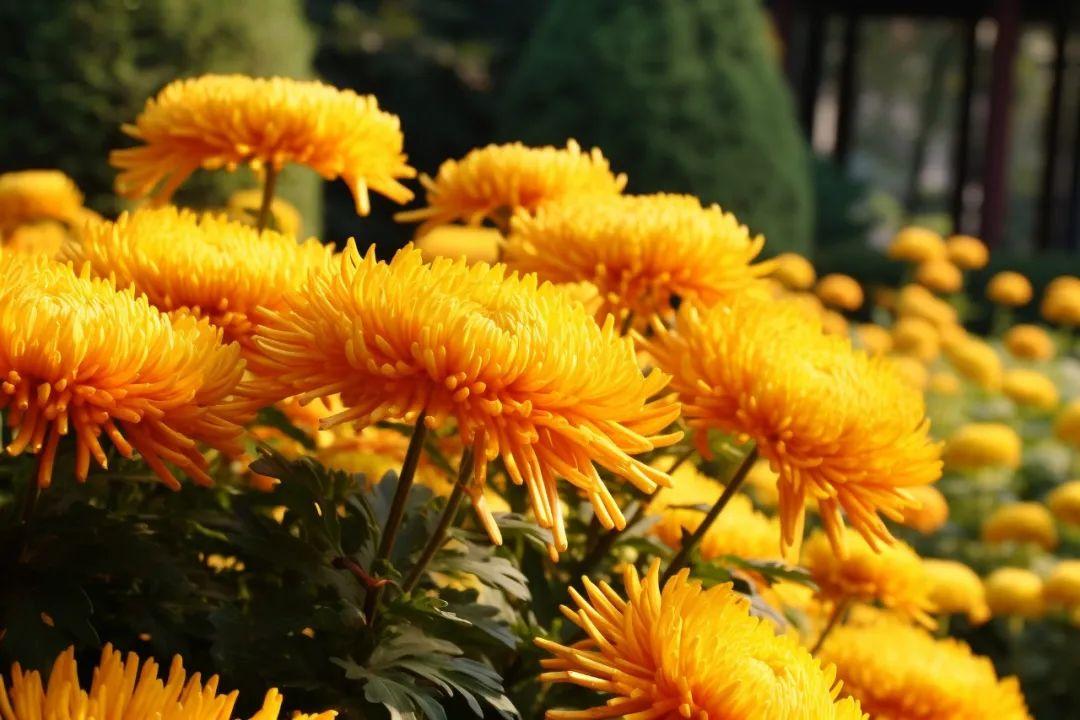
x=1014, y=591
x=223, y=121
x=47, y=238
x=916, y=337
x=956, y=589
x=911, y=370
x=687, y=652
x=920, y=302
x=1064, y=502
x=526, y=373
x=833, y=323
x=901, y=672
x=762, y=483
x=894, y=576
x=975, y=360
x=76, y=355
x=835, y=424
x=967, y=252
x=30, y=196
x=944, y=383
x=1010, y=289
x=640, y=251
x=496, y=181
x=873, y=338
x=794, y=271
x=1030, y=388
x=979, y=445
x=840, y=291
x=1062, y=586
x=932, y=512
x=475, y=244
x=244, y=205
x=203, y=264
x=940, y=275
x=121, y=688
x=1029, y=342
x=1067, y=423
x=916, y=245
x=1061, y=301
x=1021, y=522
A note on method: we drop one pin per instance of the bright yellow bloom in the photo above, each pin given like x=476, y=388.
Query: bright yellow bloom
x=920, y=302
x=969, y=253
x=475, y=244
x=944, y=383
x=1021, y=522
x=1067, y=423
x=975, y=360
x=835, y=424
x=840, y=291
x=894, y=576
x=916, y=337
x=76, y=355
x=1010, y=289
x=223, y=121
x=526, y=373
x=686, y=652
x=956, y=589
x=244, y=205
x=496, y=181
x=932, y=512
x=794, y=271
x=44, y=238
x=1031, y=388
x=901, y=672
x=1064, y=502
x=1062, y=586
x=205, y=264
x=911, y=370
x=873, y=338
x=978, y=445
x=121, y=689
x=640, y=251
x=762, y=483
x=1029, y=342
x=1061, y=301
x=833, y=323
x=916, y=245
x=1014, y=591
x=33, y=195
x=940, y=275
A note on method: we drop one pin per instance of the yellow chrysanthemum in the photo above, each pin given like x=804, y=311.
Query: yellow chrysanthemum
x=916, y=337
x=223, y=121
x=30, y=196
x=243, y=206
x=956, y=589
x=932, y=512
x=892, y=576
x=76, y=355
x=475, y=244
x=1064, y=502
x=1061, y=301
x=833, y=323
x=526, y=373
x=1021, y=522
x=901, y=672
x=494, y=182
x=840, y=291
x=1067, y=423
x=46, y=238
x=794, y=271
x=920, y=302
x=205, y=264
x=967, y=252
x=1014, y=591
x=120, y=688
x=1062, y=586
x=1031, y=388
x=944, y=383
x=1010, y=289
x=1029, y=342
x=873, y=338
x=975, y=360
x=979, y=445
x=837, y=425
x=940, y=275
x=762, y=483
x=911, y=370
x=916, y=245
x=640, y=251
x=686, y=652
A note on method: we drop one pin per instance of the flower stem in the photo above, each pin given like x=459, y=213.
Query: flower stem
x=449, y=513
x=834, y=619
x=267, y=197
x=627, y=323
x=732, y=487
x=397, y=512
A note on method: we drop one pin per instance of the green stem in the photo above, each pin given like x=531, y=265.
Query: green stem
x=837, y=613
x=447, y=518
x=267, y=197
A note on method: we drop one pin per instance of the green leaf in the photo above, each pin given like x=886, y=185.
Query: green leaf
x=274, y=418
x=481, y=560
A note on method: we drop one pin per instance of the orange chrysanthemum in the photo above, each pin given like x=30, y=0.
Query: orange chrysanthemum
x=33, y=195
x=75, y=354
x=526, y=373
x=495, y=181
x=223, y=121
x=686, y=652
x=835, y=424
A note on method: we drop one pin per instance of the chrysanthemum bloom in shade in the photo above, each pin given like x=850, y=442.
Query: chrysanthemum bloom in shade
x=205, y=264
x=955, y=589
x=1029, y=342
x=686, y=652
x=873, y=338
x=1014, y=591
x=1062, y=586
x=1021, y=522
x=980, y=445
x=475, y=244
x=901, y=672
x=967, y=252
x=975, y=360
x=46, y=238
x=944, y=383
x=916, y=245
x=1067, y=423
x=916, y=337
x=835, y=424
x=640, y=251
x=78, y=356
x=243, y=206
x=1064, y=502
x=833, y=323
x=526, y=373
x=30, y=196
x=224, y=121
x=920, y=302
x=940, y=275
x=1010, y=289
x=493, y=182
x=120, y=688
x=911, y=370
x=932, y=512
x=1030, y=388
x=794, y=271
x=892, y=576
x=1061, y=301
x=840, y=291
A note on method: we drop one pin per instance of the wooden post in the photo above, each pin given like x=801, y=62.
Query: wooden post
x=848, y=92
x=1044, y=231
x=962, y=141
x=995, y=183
